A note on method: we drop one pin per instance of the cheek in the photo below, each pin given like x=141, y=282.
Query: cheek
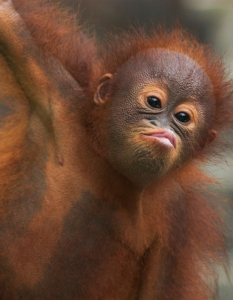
x=192, y=144
x=122, y=117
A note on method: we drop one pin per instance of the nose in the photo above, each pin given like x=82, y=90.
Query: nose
x=153, y=123
x=160, y=123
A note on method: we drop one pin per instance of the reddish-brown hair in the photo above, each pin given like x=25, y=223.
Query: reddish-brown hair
x=191, y=236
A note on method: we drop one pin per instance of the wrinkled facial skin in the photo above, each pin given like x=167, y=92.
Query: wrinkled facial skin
x=144, y=142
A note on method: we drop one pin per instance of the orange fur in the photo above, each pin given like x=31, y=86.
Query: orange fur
x=169, y=247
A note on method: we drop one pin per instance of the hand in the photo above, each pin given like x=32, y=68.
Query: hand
x=8, y=14
x=6, y=6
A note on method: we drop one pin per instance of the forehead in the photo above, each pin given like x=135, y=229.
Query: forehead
x=178, y=72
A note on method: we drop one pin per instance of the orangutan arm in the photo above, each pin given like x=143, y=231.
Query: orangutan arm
x=43, y=79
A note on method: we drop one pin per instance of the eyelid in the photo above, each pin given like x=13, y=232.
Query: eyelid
x=153, y=91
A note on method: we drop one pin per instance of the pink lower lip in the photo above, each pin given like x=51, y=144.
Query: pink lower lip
x=166, y=137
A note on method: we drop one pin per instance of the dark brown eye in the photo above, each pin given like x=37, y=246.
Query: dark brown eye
x=182, y=117
x=154, y=102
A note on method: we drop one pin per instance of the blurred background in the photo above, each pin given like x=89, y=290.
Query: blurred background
x=210, y=20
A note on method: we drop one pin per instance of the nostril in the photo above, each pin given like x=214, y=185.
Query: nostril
x=153, y=123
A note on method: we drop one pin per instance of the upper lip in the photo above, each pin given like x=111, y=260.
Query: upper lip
x=163, y=133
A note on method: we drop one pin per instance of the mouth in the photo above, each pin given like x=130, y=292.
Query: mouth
x=165, y=137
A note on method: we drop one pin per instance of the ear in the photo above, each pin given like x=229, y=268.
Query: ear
x=210, y=138
x=101, y=93
x=212, y=135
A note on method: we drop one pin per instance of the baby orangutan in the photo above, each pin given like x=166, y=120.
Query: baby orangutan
x=101, y=196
